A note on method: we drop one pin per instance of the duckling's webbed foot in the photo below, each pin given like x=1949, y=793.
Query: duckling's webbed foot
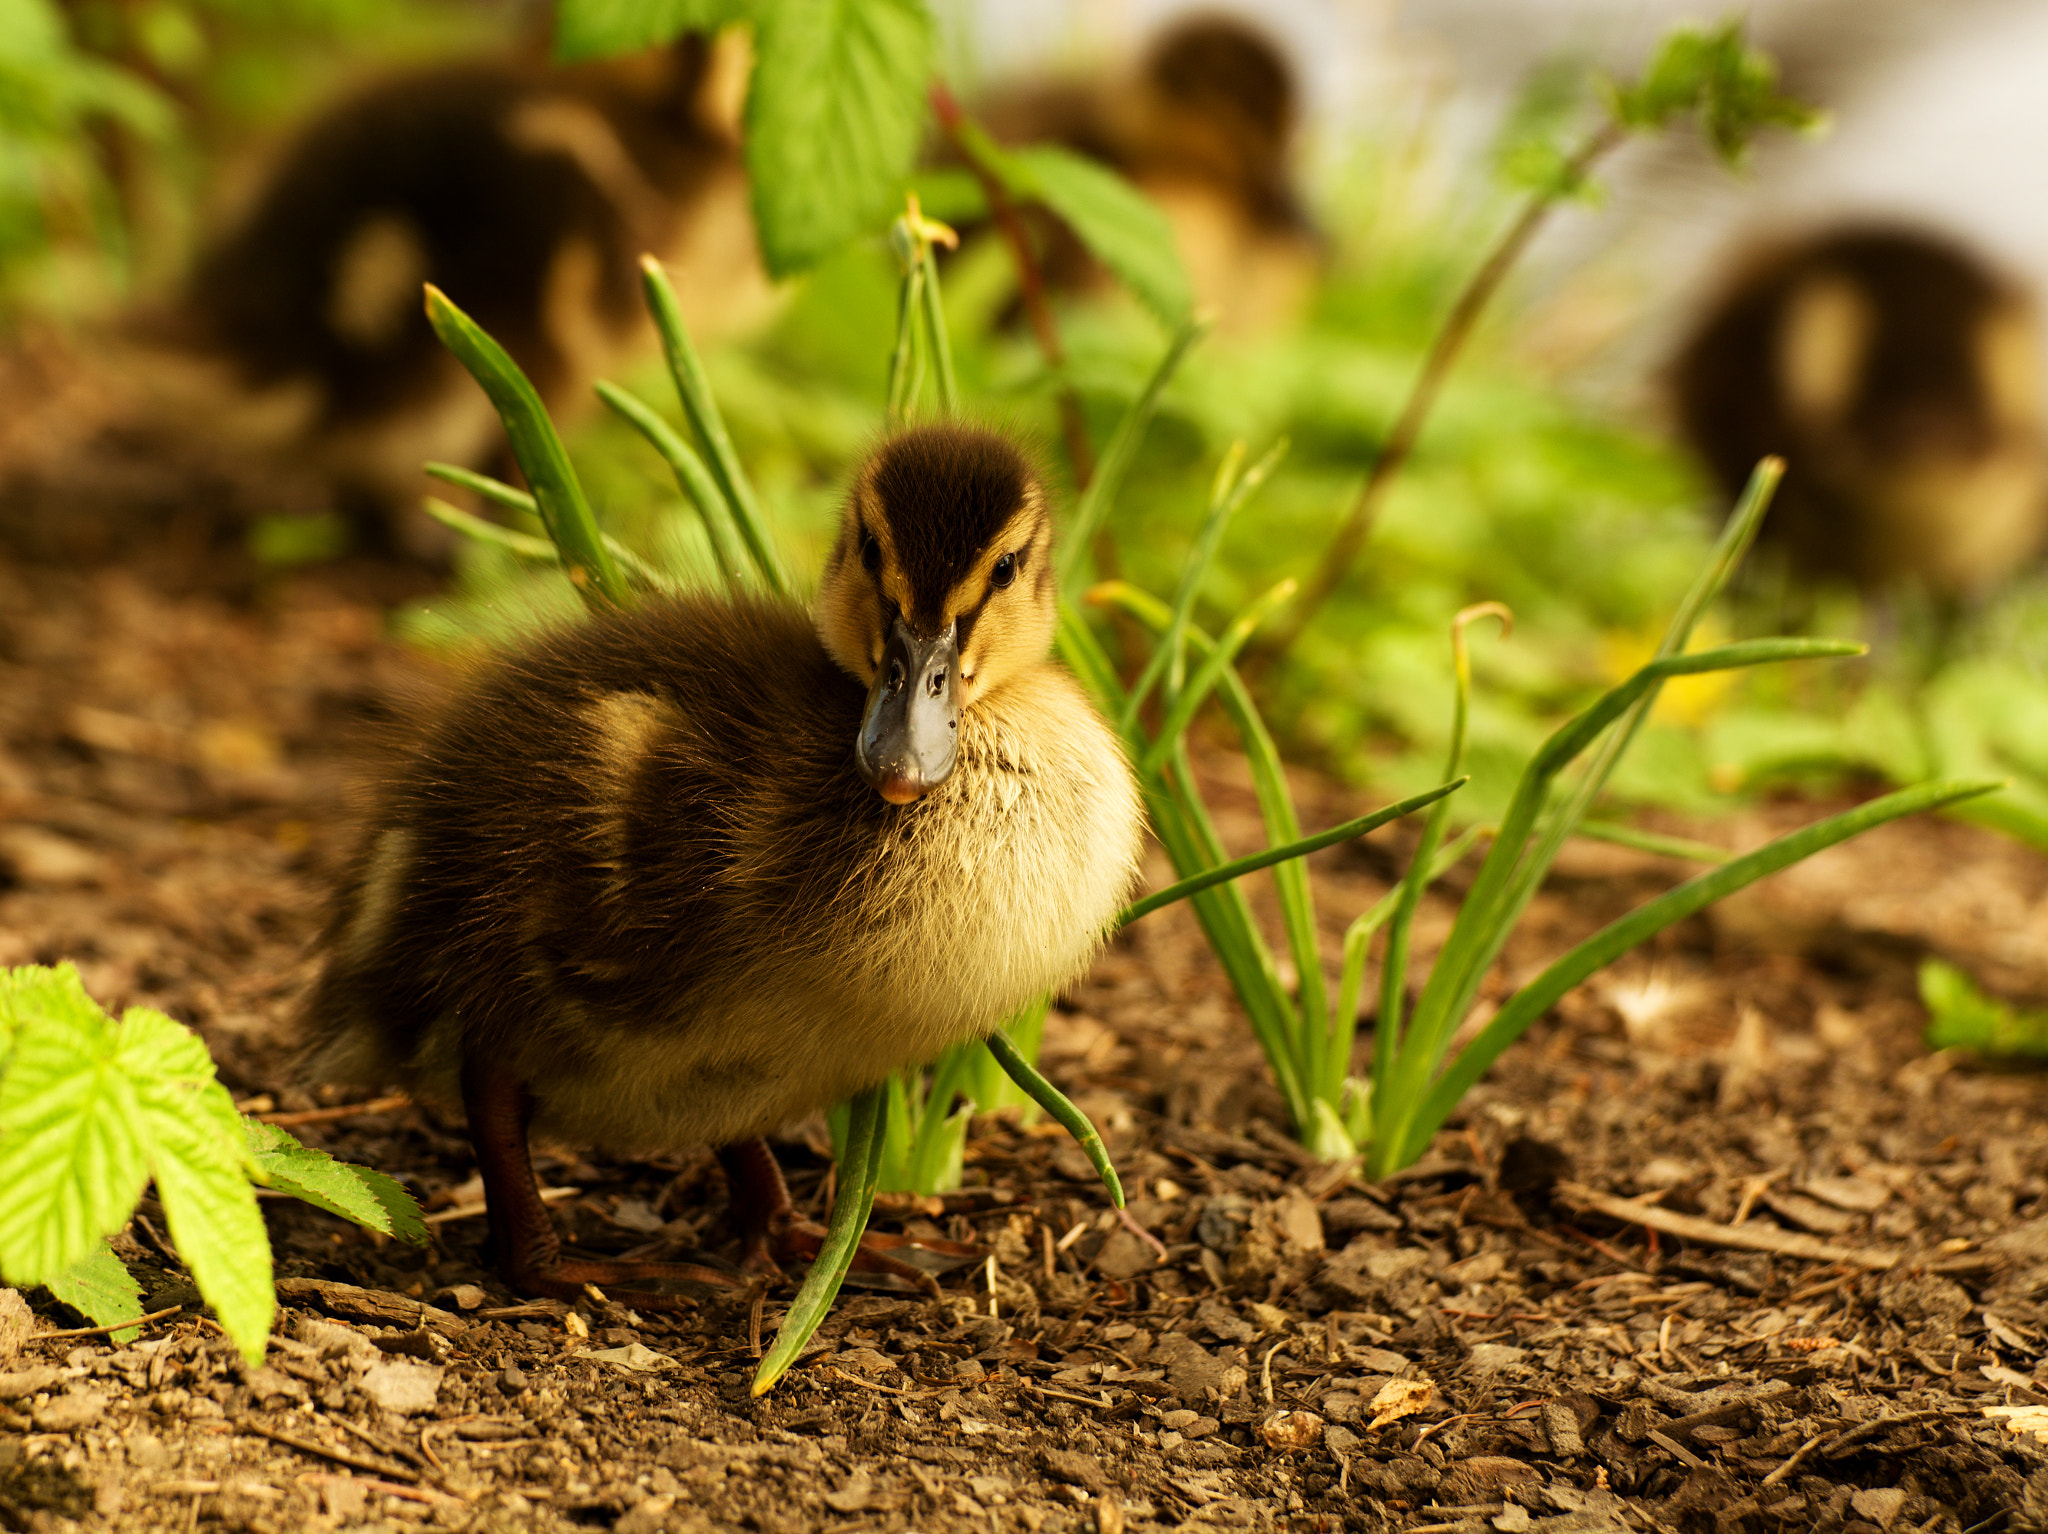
x=529, y=1249
x=772, y=1232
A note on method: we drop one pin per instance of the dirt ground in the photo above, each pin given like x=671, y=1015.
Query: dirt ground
x=1822, y=1314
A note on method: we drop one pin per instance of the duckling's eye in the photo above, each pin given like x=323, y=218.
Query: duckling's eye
x=1004, y=572
x=870, y=553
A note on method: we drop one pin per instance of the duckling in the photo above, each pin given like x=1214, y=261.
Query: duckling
x=1898, y=377
x=527, y=192
x=684, y=874
x=1204, y=125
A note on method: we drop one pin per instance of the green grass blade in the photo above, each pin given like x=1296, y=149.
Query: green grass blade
x=538, y=551
x=1358, y=936
x=1059, y=1108
x=1232, y=491
x=1089, y=662
x=1617, y=938
x=535, y=551
x=904, y=372
x=693, y=477
x=1251, y=863
x=942, y=343
x=1388, y=1034
x=1189, y=699
x=495, y=492
x=1116, y=458
x=542, y=459
x=1182, y=823
x=694, y=389
x=858, y=1171
x=1651, y=841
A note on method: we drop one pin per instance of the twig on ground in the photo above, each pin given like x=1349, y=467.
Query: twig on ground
x=1783, y=1243
x=321, y=1451
x=389, y=1104
x=101, y=1331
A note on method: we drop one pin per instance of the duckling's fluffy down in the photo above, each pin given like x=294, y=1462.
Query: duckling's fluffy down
x=637, y=866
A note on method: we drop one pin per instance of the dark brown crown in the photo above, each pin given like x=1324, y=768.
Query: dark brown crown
x=945, y=492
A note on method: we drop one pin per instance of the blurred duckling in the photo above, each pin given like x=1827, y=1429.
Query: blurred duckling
x=1900, y=379
x=1205, y=126
x=526, y=192
x=686, y=874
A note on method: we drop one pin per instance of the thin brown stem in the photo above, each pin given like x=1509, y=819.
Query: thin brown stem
x=1457, y=329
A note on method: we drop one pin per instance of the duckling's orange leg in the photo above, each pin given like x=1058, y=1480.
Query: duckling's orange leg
x=772, y=1232
x=529, y=1250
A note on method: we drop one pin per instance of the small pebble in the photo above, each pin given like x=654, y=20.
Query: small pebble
x=512, y=1380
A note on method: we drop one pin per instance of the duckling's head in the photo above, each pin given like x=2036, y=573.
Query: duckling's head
x=939, y=590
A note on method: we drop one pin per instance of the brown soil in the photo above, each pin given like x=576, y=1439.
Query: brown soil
x=1473, y=1345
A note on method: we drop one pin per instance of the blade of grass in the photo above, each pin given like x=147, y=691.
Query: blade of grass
x=693, y=478
x=1183, y=828
x=1358, y=936
x=1189, y=699
x=542, y=459
x=1232, y=491
x=905, y=370
x=1123, y=446
x=1089, y=662
x=1059, y=1109
x=1651, y=841
x=495, y=492
x=694, y=389
x=1493, y=903
x=1617, y=938
x=1387, y=1036
x=1237, y=868
x=942, y=344
x=538, y=551
x=858, y=1170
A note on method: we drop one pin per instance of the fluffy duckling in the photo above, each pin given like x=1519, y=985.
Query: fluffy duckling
x=686, y=874
x=525, y=191
x=1898, y=376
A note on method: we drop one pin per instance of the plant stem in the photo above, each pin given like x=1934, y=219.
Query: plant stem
x=1350, y=537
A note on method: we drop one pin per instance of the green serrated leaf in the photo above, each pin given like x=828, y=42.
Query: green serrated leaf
x=101, y=1289
x=595, y=29
x=199, y=1156
x=833, y=121
x=72, y=1159
x=369, y=1198
x=218, y=1230
x=1122, y=227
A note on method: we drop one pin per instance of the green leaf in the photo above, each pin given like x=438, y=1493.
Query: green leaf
x=1960, y=1016
x=1729, y=86
x=369, y=1198
x=99, y=1288
x=594, y=29
x=833, y=121
x=199, y=1156
x=1122, y=227
x=73, y=1158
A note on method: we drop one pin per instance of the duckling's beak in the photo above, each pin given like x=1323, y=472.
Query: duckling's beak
x=911, y=727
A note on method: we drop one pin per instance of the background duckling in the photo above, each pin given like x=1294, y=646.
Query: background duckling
x=686, y=874
x=526, y=192
x=1205, y=126
x=1899, y=377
